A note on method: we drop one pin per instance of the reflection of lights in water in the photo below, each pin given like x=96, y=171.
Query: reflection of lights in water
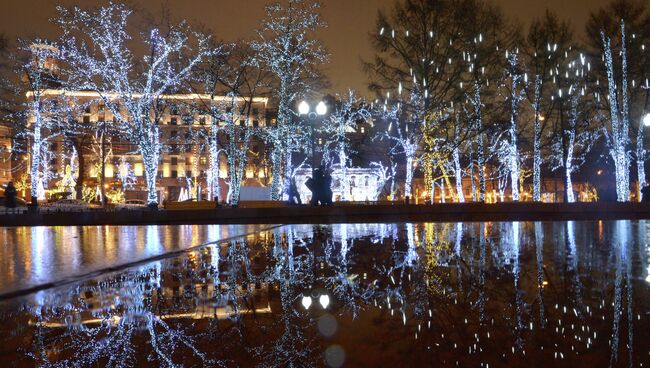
x=129, y=299
x=152, y=245
x=327, y=325
x=306, y=302
x=573, y=256
x=41, y=252
x=411, y=255
x=335, y=356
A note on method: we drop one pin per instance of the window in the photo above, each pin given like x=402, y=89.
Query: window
x=174, y=174
x=87, y=110
x=173, y=121
x=256, y=111
x=173, y=134
x=203, y=160
x=256, y=123
x=363, y=130
x=174, y=160
x=202, y=120
x=86, y=119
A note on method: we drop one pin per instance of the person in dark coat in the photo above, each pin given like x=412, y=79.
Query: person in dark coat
x=10, y=196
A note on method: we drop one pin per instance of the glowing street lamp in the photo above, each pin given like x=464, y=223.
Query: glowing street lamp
x=306, y=301
x=324, y=300
x=321, y=109
x=646, y=120
x=305, y=109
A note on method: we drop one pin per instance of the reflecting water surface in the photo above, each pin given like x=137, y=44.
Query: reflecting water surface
x=32, y=256
x=567, y=294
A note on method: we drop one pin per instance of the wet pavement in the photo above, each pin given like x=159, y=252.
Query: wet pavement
x=33, y=257
x=518, y=294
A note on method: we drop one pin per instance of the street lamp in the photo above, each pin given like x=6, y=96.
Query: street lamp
x=305, y=109
x=646, y=120
x=323, y=300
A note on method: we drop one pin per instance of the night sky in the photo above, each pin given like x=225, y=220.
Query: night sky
x=350, y=22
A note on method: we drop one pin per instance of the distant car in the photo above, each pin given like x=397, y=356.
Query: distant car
x=131, y=205
x=70, y=205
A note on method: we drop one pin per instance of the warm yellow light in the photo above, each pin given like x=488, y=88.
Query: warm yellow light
x=137, y=169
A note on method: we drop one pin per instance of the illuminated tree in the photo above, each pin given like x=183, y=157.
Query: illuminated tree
x=44, y=116
x=232, y=80
x=343, y=120
x=97, y=47
x=619, y=38
x=515, y=78
x=404, y=138
x=483, y=39
x=574, y=130
x=287, y=47
x=547, y=38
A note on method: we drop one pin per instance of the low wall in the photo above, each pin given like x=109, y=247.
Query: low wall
x=342, y=213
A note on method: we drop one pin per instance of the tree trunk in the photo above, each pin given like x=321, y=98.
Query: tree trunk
x=276, y=174
x=537, y=135
x=459, y=176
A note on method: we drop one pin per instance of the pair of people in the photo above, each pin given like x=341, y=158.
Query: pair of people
x=321, y=188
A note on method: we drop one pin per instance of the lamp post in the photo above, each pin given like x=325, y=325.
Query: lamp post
x=304, y=109
x=646, y=120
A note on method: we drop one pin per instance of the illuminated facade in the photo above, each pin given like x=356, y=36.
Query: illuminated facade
x=184, y=158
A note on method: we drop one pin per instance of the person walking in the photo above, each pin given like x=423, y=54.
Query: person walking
x=10, y=196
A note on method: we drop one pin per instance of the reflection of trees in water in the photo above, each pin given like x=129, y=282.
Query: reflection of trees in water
x=539, y=259
x=623, y=277
x=291, y=273
x=467, y=289
x=105, y=321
